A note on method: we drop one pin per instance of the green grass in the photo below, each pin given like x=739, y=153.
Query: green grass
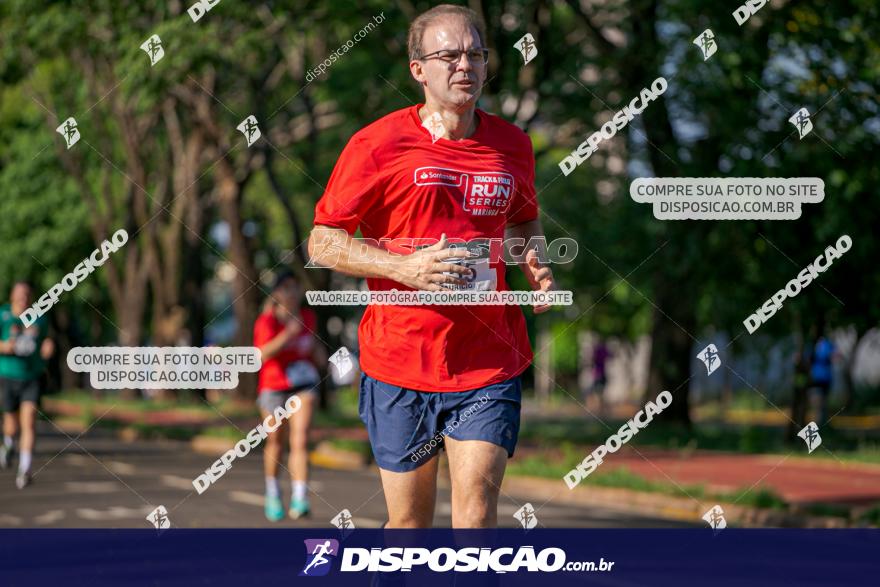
x=753, y=439
x=587, y=434
x=350, y=445
x=343, y=412
x=828, y=509
x=872, y=516
x=187, y=403
x=758, y=498
x=622, y=478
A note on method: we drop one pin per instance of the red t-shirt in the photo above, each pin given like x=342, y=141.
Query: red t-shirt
x=272, y=376
x=392, y=181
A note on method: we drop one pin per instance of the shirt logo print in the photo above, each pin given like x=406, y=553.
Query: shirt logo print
x=484, y=193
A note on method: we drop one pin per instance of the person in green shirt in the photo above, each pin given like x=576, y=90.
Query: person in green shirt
x=23, y=352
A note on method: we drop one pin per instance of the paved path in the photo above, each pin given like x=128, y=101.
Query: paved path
x=102, y=482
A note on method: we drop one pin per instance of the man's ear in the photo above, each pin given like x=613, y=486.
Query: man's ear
x=416, y=68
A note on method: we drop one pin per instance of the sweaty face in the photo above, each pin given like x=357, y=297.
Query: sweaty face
x=450, y=83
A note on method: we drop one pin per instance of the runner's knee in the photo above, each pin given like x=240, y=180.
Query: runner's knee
x=410, y=519
x=474, y=513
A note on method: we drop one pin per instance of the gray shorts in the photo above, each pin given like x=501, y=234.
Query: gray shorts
x=268, y=400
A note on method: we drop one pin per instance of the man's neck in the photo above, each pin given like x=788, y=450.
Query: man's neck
x=457, y=124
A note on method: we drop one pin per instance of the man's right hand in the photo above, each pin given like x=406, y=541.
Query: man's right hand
x=292, y=328
x=423, y=269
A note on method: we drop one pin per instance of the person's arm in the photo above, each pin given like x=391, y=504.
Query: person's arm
x=540, y=276
x=336, y=249
x=47, y=349
x=276, y=343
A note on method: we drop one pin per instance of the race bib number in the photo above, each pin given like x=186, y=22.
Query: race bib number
x=485, y=276
x=25, y=345
x=301, y=374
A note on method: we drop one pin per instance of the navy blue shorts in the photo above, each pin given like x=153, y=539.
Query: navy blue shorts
x=407, y=427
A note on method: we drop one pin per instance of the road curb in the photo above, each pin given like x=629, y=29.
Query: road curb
x=664, y=506
x=211, y=445
x=324, y=455
x=329, y=457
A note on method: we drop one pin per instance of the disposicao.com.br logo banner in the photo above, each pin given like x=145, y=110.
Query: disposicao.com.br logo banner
x=442, y=559
x=222, y=557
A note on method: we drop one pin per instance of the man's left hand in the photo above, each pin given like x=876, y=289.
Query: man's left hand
x=540, y=277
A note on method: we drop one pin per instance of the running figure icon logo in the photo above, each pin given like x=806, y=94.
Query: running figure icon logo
x=341, y=359
x=715, y=518
x=525, y=46
x=249, y=129
x=706, y=43
x=801, y=121
x=159, y=518
x=526, y=516
x=710, y=358
x=153, y=48
x=69, y=131
x=810, y=434
x=343, y=521
x=319, y=556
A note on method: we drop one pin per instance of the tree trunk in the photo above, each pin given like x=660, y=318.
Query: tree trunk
x=245, y=286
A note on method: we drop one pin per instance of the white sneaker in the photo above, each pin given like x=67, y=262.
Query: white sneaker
x=22, y=480
x=7, y=453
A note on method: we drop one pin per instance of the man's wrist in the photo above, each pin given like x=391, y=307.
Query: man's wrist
x=389, y=267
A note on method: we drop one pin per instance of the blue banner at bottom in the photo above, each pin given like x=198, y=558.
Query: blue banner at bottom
x=325, y=556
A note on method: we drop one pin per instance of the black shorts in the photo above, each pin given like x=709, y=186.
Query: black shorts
x=14, y=391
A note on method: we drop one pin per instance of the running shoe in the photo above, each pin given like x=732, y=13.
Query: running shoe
x=298, y=509
x=22, y=480
x=274, y=508
x=7, y=453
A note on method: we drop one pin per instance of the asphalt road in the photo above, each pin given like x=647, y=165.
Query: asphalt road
x=98, y=481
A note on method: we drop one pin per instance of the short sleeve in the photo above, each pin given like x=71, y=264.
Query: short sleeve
x=351, y=189
x=262, y=331
x=524, y=206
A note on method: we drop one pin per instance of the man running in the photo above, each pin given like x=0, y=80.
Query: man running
x=22, y=352
x=471, y=177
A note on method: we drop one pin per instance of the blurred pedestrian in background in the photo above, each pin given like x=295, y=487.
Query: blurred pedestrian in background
x=601, y=354
x=23, y=352
x=284, y=333
x=822, y=370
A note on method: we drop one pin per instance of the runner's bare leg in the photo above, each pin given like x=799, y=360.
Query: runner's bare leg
x=476, y=468
x=273, y=447
x=28, y=417
x=298, y=461
x=10, y=424
x=411, y=496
